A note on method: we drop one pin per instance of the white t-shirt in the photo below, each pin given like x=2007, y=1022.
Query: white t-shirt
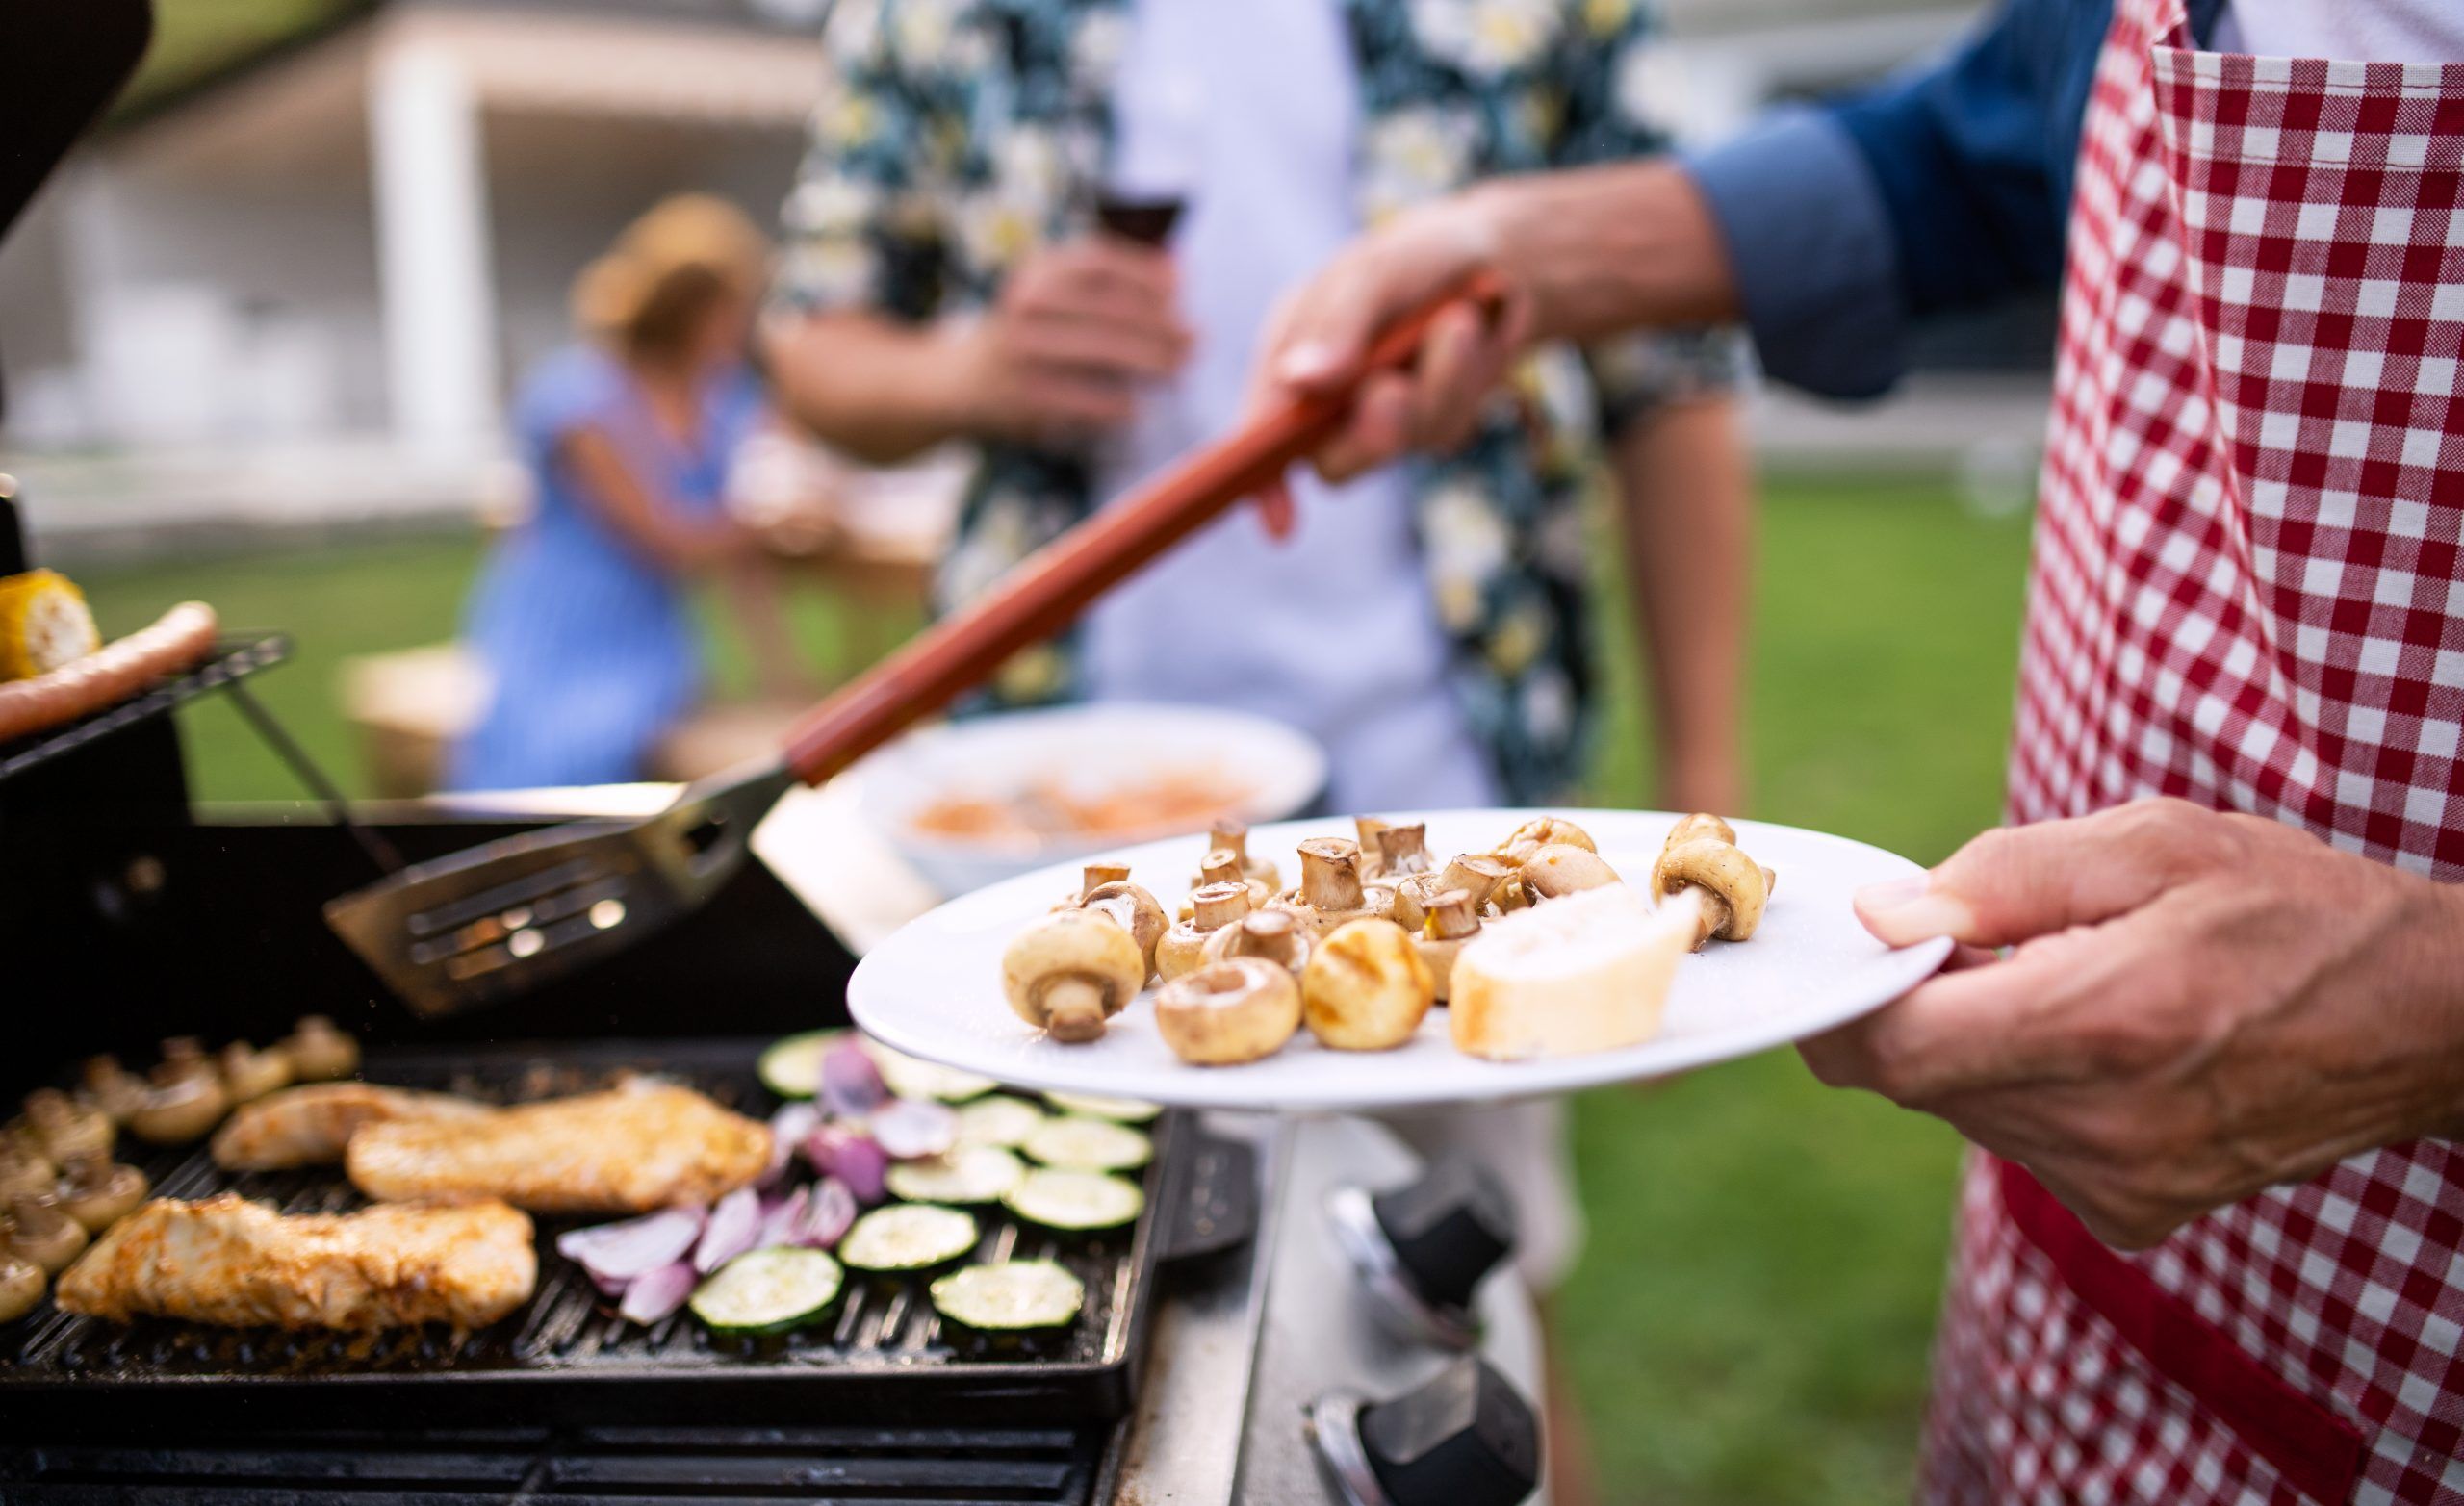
x=1335, y=630
x=2372, y=30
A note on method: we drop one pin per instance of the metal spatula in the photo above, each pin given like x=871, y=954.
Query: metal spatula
x=488, y=924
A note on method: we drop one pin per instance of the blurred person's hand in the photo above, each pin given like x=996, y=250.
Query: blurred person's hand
x=1582, y=254
x=1077, y=328
x=2195, y=1006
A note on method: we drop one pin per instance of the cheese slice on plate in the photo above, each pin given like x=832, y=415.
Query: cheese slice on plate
x=1589, y=972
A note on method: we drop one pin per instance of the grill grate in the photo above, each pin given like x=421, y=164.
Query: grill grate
x=567, y=1357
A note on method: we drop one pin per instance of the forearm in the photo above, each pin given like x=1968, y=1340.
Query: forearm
x=1602, y=250
x=879, y=391
x=1686, y=520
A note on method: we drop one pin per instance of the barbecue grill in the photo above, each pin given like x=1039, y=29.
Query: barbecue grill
x=1231, y=1320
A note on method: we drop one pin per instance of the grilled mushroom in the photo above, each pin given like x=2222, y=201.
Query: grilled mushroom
x=1070, y=972
x=1543, y=832
x=1452, y=922
x=1365, y=987
x=21, y=1285
x=1231, y=836
x=1274, y=936
x=1702, y=855
x=1236, y=1010
x=99, y=1195
x=66, y=1128
x=112, y=1088
x=1561, y=868
x=1214, y=908
x=186, y=1099
x=1223, y=866
x=1330, y=892
x=24, y=1172
x=1372, y=855
x=1475, y=873
x=1134, y=910
x=1094, y=876
x=1403, y=851
x=249, y=1073
x=319, y=1053
x=43, y=1233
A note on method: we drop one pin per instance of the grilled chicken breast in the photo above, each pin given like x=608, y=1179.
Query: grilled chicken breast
x=631, y=1149
x=230, y=1261
x=309, y=1126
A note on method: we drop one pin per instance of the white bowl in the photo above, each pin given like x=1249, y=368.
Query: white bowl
x=1277, y=770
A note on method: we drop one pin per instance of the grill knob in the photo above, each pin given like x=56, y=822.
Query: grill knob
x=1467, y=1437
x=1449, y=1230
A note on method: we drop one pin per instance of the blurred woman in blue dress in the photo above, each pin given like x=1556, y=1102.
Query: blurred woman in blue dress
x=582, y=617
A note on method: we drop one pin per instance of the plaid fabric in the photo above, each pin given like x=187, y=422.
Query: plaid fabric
x=2246, y=592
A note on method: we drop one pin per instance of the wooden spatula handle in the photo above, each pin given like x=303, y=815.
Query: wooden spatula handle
x=1046, y=592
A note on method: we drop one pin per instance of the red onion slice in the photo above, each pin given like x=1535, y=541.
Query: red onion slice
x=826, y=1216
x=910, y=1128
x=779, y=1217
x=851, y=1156
x=735, y=1222
x=633, y=1249
x=851, y=1084
x=789, y=1128
x=656, y=1294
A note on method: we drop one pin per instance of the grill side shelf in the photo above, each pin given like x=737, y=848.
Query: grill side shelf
x=565, y=1356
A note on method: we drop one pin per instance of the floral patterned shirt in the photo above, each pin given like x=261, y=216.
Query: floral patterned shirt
x=958, y=135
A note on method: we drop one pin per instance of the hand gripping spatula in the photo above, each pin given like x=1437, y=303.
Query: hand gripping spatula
x=488, y=924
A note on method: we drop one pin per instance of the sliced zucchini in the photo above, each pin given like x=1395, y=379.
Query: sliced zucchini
x=1076, y=1202
x=769, y=1292
x=998, y=1120
x=909, y=1237
x=1075, y=1142
x=792, y=1067
x=1127, y=1111
x=913, y=1077
x=1011, y=1297
x=968, y=1174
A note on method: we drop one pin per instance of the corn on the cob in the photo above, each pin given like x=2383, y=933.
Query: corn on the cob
x=44, y=624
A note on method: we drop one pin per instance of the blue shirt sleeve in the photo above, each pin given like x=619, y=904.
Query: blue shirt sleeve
x=1946, y=187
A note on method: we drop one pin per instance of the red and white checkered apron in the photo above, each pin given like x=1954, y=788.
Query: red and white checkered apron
x=2246, y=592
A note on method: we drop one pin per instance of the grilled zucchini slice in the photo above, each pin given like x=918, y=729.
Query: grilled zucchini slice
x=1075, y=1142
x=967, y=1174
x=906, y=1238
x=1076, y=1202
x=769, y=1292
x=1011, y=1297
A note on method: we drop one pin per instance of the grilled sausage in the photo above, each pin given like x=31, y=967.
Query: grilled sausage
x=179, y=638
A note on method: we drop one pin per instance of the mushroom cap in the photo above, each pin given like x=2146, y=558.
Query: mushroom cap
x=1561, y=868
x=1238, y=1010
x=1701, y=824
x=1365, y=987
x=1071, y=946
x=1134, y=909
x=1543, y=832
x=1330, y=874
x=1274, y=936
x=1721, y=869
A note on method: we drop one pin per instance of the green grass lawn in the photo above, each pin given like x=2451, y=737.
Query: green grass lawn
x=1749, y=1326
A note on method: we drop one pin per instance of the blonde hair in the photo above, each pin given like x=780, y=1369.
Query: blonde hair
x=667, y=268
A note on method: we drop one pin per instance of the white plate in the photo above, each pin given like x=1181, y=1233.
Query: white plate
x=1086, y=749
x=933, y=988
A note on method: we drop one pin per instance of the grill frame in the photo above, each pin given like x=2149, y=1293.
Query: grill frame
x=61, y=1373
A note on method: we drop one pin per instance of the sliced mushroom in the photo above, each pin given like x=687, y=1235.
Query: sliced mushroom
x=41, y=1232
x=1236, y=1011
x=22, y=1284
x=112, y=1088
x=1365, y=987
x=249, y=1073
x=1452, y=923
x=1330, y=892
x=66, y=1128
x=319, y=1053
x=1733, y=888
x=1133, y=909
x=1070, y=972
x=99, y=1195
x=1214, y=908
x=1561, y=868
x=1543, y=832
x=1275, y=935
x=1231, y=836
